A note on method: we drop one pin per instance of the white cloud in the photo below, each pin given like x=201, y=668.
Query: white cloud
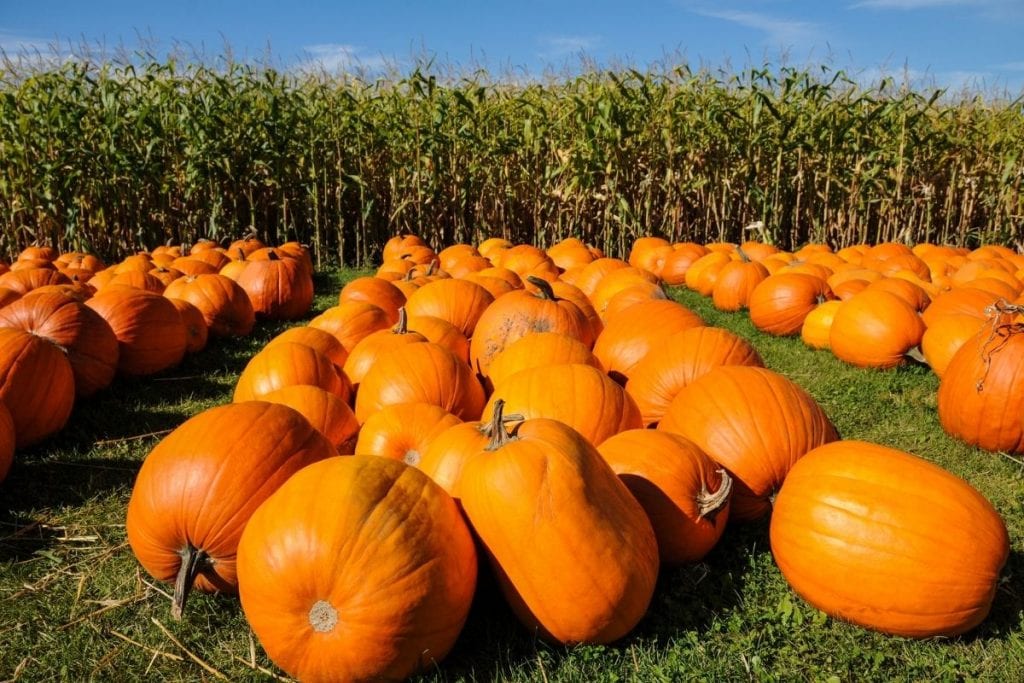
x=562, y=46
x=913, y=4
x=777, y=31
x=336, y=57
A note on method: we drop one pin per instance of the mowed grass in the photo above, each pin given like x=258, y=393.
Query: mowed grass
x=75, y=605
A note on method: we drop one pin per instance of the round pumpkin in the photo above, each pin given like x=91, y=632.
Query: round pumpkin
x=684, y=493
x=574, y=553
x=365, y=353
x=945, y=336
x=285, y=364
x=278, y=288
x=875, y=329
x=403, y=431
x=198, y=487
x=376, y=291
x=887, y=540
x=538, y=349
x=351, y=321
x=225, y=305
x=324, y=342
x=755, y=423
x=329, y=414
x=197, y=334
x=779, y=304
x=817, y=325
x=36, y=383
x=632, y=334
x=460, y=302
x=150, y=334
x=371, y=582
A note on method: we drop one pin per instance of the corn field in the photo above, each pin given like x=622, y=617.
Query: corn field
x=119, y=157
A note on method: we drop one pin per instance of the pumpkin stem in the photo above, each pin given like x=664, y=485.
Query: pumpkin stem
x=272, y=256
x=496, y=428
x=402, y=326
x=915, y=354
x=743, y=255
x=709, y=504
x=544, y=286
x=193, y=563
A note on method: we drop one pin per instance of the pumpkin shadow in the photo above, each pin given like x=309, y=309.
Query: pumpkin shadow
x=1007, y=613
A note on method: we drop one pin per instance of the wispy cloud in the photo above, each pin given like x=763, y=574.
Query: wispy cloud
x=563, y=46
x=337, y=57
x=913, y=4
x=777, y=31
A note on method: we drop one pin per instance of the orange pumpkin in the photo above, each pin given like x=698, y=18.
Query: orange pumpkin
x=286, y=363
x=781, y=302
x=817, y=325
x=366, y=352
x=683, y=492
x=278, y=288
x=351, y=321
x=403, y=431
x=945, y=336
x=460, y=302
x=36, y=384
x=734, y=284
x=225, y=305
x=755, y=423
x=538, y=349
x=150, y=333
x=371, y=582
x=329, y=414
x=196, y=332
x=543, y=476
x=376, y=291
x=888, y=541
x=324, y=342
x=632, y=334
x=875, y=329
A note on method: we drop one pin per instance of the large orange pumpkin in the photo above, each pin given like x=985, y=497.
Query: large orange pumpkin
x=327, y=412
x=636, y=331
x=574, y=552
x=288, y=363
x=197, y=488
x=150, y=334
x=888, y=541
x=755, y=423
x=538, y=349
x=351, y=321
x=357, y=568
x=875, y=329
x=403, y=431
x=779, y=304
x=225, y=305
x=460, y=302
x=684, y=493
x=278, y=288
x=36, y=383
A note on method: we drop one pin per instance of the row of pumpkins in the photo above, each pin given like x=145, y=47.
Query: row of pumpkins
x=488, y=410
x=959, y=311
x=69, y=324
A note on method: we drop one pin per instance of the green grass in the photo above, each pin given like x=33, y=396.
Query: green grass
x=74, y=604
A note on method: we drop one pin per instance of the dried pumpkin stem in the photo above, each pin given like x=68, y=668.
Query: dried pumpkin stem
x=708, y=504
x=193, y=563
x=402, y=326
x=496, y=428
x=544, y=287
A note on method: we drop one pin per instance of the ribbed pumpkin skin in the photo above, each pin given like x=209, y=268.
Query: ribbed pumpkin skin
x=36, y=384
x=538, y=349
x=329, y=414
x=87, y=338
x=887, y=540
x=449, y=451
x=6, y=441
x=574, y=552
x=420, y=373
x=671, y=477
x=225, y=305
x=365, y=353
x=779, y=304
x=287, y=363
x=515, y=315
x=197, y=334
x=324, y=342
x=460, y=302
x=981, y=402
x=680, y=359
x=631, y=335
x=383, y=550
x=199, y=485
x=278, y=288
x=150, y=333
x=581, y=396
x=964, y=301
x=755, y=423
x=875, y=329
x=734, y=284
x=403, y=431
x=351, y=321
x=945, y=336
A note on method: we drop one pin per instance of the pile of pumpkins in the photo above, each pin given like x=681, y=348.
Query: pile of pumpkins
x=549, y=416
x=69, y=324
x=959, y=311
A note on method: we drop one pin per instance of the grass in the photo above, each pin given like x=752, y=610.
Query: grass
x=74, y=604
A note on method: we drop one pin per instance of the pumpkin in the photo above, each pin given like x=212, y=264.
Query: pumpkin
x=37, y=385
x=403, y=431
x=538, y=349
x=286, y=363
x=278, y=288
x=373, y=581
x=517, y=314
x=585, y=569
x=441, y=332
x=247, y=245
x=633, y=294
x=979, y=398
x=593, y=273
x=225, y=305
x=398, y=245
x=24, y=281
x=684, y=493
x=964, y=301
x=888, y=541
x=376, y=291
x=351, y=321
x=734, y=284
x=196, y=331
x=197, y=488
x=817, y=325
x=366, y=352
x=755, y=423
x=460, y=302
x=150, y=334
x=137, y=279
x=81, y=332
x=875, y=329
x=631, y=335
x=448, y=452
x=420, y=373
x=329, y=414
x=680, y=359
x=324, y=342
x=613, y=283
x=37, y=252
x=6, y=441
x=945, y=336
x=581, y=396
x=779, y=304
x=191, y=266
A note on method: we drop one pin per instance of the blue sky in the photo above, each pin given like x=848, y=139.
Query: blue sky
x=950, y=43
